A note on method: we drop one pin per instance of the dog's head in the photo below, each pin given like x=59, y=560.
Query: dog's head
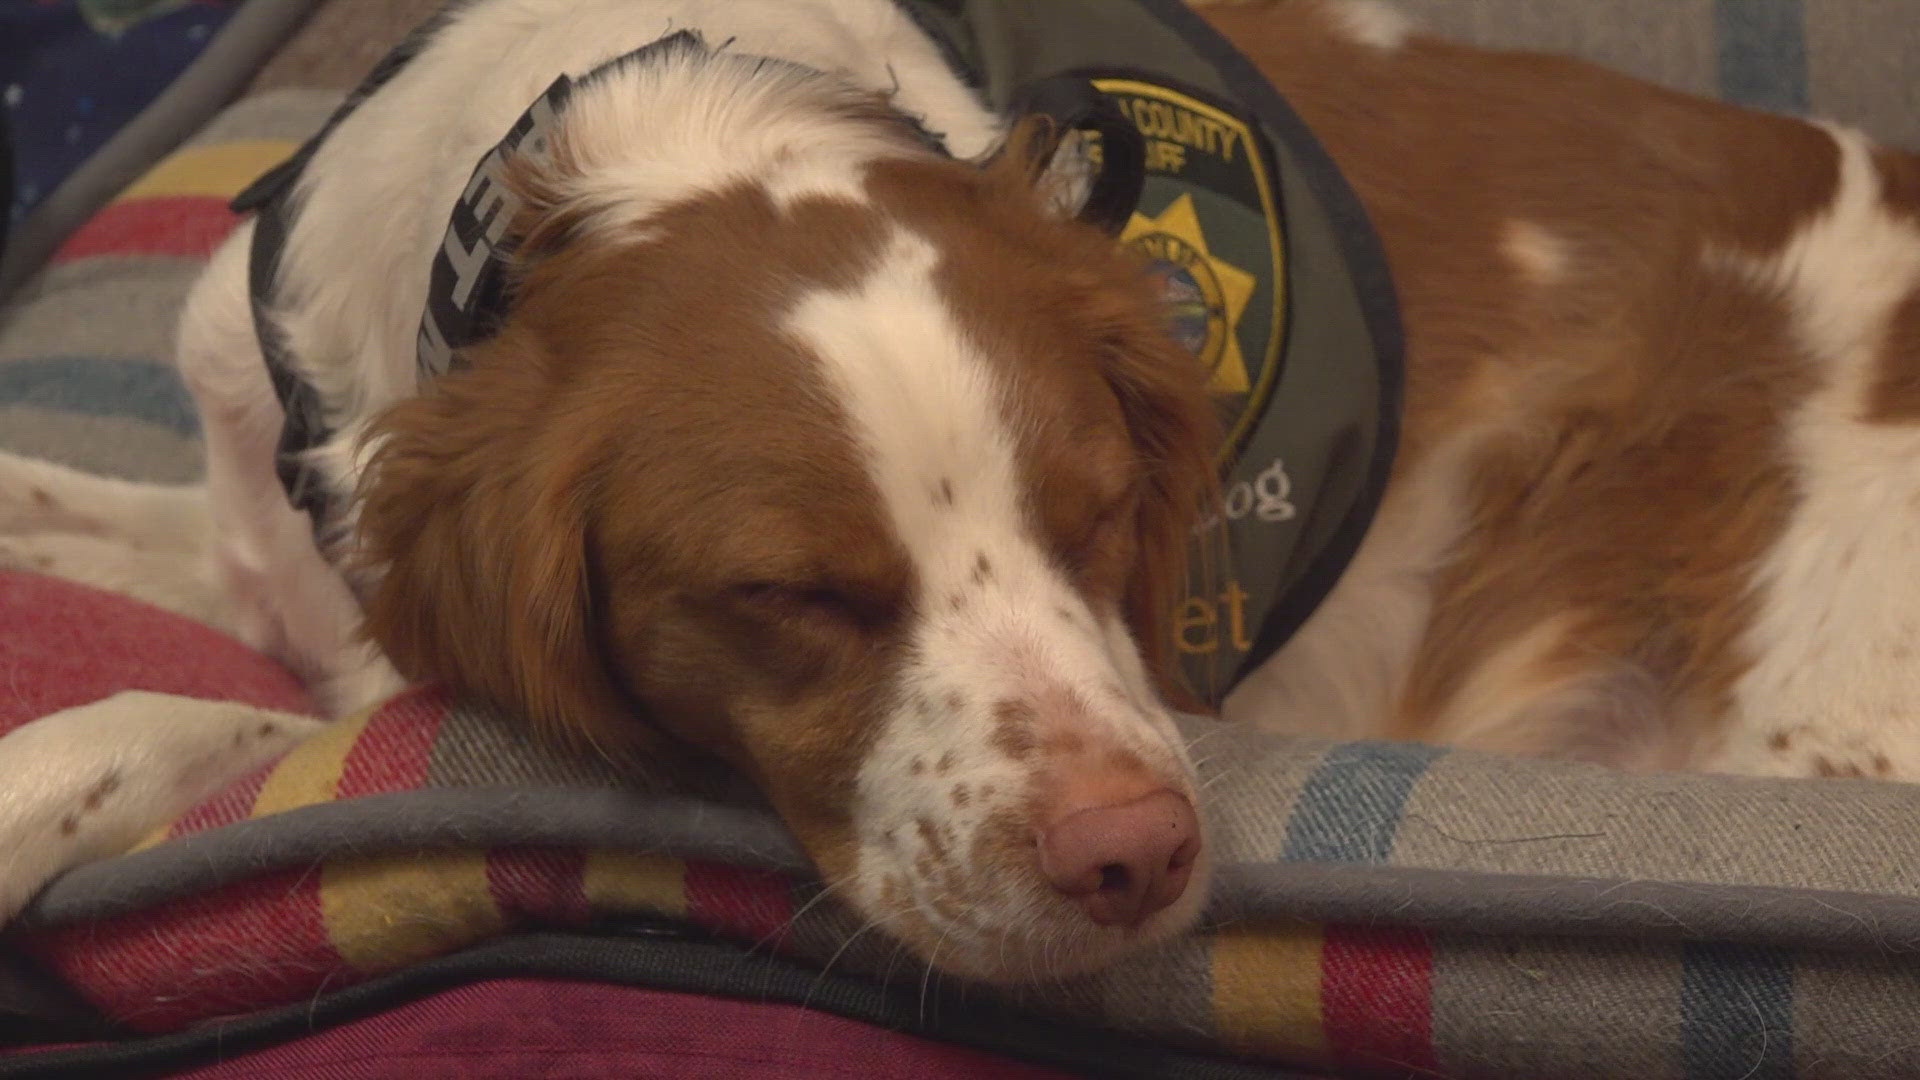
x=875, y=489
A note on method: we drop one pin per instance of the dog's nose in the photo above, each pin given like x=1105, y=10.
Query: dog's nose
x=1123, y=861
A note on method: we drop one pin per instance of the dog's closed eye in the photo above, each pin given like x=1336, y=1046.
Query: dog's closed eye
x=1093, y=547
x=1115, y=516
x=812, y=602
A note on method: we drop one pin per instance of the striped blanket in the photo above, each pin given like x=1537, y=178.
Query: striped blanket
x=1848, y=60
x=1381, y=910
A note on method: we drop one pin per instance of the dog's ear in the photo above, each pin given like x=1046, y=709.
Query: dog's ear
x=474, y=525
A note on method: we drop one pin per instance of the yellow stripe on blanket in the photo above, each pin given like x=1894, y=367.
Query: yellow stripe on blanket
x=155, y=838
x=617, y=881
x=305, y=777
x=310, y=773
x=217, y=170
x=1266, y=992
x=383, y=913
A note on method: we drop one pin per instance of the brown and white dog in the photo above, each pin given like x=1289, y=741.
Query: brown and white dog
x=870, y=472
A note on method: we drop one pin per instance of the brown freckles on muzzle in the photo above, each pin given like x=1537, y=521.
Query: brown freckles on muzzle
x=1045, y=841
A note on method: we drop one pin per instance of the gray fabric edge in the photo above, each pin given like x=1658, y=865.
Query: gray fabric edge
x=383, y=824
x=1448, y=901
x=215, y=78
x=1528, y=905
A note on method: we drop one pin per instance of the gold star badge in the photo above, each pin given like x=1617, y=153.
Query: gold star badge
x=1175, y=238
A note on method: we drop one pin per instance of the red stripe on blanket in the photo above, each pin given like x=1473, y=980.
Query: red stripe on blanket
x=753, y=904
x=237, y=950
x=187, y=226
x=1376, y=994
x=540, y=884
x=395, y=751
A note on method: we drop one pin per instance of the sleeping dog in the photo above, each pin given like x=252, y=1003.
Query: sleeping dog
x=762, y=390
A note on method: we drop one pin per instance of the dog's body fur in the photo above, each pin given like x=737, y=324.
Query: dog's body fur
x=1658, y=486
x=1656, y=504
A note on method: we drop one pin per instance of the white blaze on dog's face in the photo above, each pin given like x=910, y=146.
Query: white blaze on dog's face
x=868, y=493
x=1022, y=732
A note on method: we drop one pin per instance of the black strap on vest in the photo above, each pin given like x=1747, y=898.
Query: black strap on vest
x=305, y=426
x=270, y=200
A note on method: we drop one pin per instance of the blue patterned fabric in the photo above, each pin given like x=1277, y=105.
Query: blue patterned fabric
x=67, y=86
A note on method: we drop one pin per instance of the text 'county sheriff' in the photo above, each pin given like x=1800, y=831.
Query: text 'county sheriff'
x=1161, y=120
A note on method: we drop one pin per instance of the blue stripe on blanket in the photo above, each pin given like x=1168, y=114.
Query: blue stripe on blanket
x=1736, y=1013
x=1351, y=806
x=1763, y=53
x=100, y=386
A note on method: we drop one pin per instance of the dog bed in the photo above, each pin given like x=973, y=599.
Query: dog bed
x=1381, y=909
x=254, y=961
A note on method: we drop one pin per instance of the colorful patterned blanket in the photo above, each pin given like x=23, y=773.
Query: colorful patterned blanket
x=1382, y=909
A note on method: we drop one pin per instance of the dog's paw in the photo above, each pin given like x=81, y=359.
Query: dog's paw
x=92, y=781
